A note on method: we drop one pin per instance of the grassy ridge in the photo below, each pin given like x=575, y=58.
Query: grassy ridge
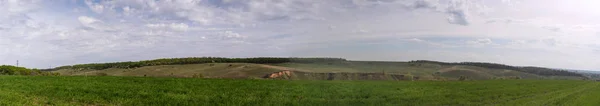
x=532, y=70
x=424, y=71
x=193, y=60
x=428, y=70
x=174, y=61
x=211, y=70
x=43, y=90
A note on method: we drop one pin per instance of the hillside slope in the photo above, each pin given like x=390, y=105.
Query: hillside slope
x=425, y=71
x=330, y=70
x=208, y=70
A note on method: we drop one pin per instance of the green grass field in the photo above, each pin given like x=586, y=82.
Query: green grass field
x=107, y=90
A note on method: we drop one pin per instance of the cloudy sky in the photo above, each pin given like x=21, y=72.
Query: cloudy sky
x=549, y=33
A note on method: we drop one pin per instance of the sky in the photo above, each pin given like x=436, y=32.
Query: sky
x=546, y=33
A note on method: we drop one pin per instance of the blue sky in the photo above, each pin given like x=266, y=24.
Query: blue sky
x=548, y=33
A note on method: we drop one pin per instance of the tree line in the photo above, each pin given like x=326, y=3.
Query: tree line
x=192, y=60
x=315, y=60
x=552, y=72
x=532, y=70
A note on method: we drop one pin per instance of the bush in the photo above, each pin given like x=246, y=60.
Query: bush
x=198, y=75
x=13, y=70
x=462, y=78
x=409, y=77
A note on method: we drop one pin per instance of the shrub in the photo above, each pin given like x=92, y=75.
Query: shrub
x=198, y=75
x=409, y=77
x=13, y=70
x=462, y=78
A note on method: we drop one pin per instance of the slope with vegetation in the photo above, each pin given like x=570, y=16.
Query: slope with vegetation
x=209, y=70
x=14, y=70
x=532, y=70
x=175, y=61
x=314, y=68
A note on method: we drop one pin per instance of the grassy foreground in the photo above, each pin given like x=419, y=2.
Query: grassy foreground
x=79, y=90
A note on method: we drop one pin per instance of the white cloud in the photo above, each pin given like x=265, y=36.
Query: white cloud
x=504, y=20
x=179, y=26
x=207, y=12
x=124, y=30
x=85, y=20
x=18, y=6
x=511, y=2
x=172, y=26
x=552, y=28
x=98, y=8
x=252, y=11
x=480, y=42
x=156, y=25
x=230, y=35
x=416, y=40
x=459, y=11
x=425, y=4
x=91, y=23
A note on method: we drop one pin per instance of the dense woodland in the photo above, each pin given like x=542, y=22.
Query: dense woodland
x=532, y=70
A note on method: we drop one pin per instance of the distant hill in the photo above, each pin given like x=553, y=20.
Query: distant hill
x=591, y=74
x=315, y=68
x=583, y=71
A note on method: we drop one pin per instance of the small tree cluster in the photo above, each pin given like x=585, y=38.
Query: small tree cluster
x=198, y=75
x=14, y=70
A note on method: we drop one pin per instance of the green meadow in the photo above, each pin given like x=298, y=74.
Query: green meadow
x=111, y=90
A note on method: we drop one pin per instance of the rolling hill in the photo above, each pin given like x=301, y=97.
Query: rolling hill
x=313, y=68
